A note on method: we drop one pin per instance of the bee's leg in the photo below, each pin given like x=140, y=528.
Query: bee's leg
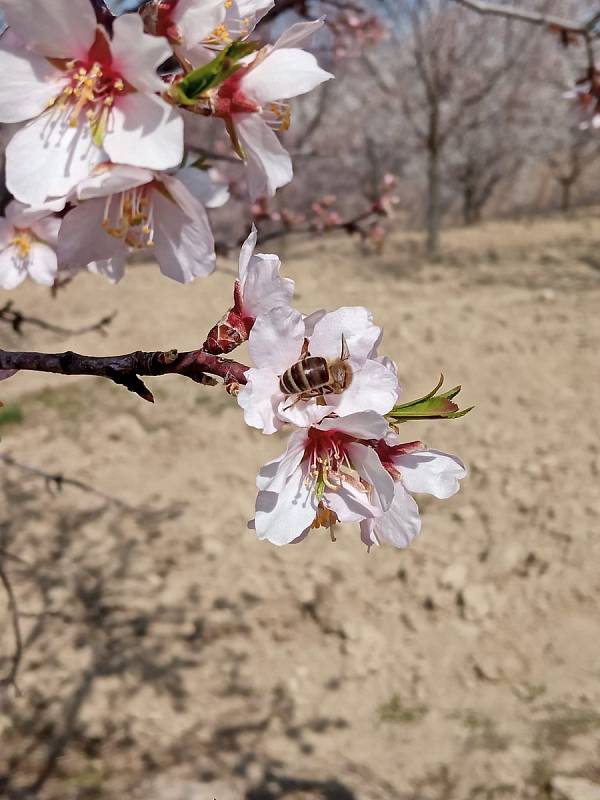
x=304, y=396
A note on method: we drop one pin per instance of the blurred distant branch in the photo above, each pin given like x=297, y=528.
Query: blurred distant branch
x=56, y=481
x=535, y=18
x=10, y=679
x=17, y=319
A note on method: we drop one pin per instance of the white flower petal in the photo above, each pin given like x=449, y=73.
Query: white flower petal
x=13, y=270
x=431, y=471
x=350, y=504
x=7, y=232
x=401, y=523
x=373, y=387
x=263, y=287
x=283, y=73
x=23, y=216
x=252, y=10
x=136, y=55
x=366, y=462
x=112, y=179
x=201, y=186
x=82, y=239
x=367, y=534
x=310, y=320
x=42, y=265
x=276, y=339
x=29, y=82
x=47, y=158
x=354, y=323
x=145, y=131
x=366, y=425
x=298, y=33
x=268, y=164
x=47, y=229
x=302, y=413
x=53, y=28
x=282, y=517
x=246, y=253
x=112, y=269
x=185, y=248
x=274, y=474
x=259, y=398
x=182, y=196
x=196, y=20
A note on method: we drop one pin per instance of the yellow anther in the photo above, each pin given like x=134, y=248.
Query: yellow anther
x=22, y=242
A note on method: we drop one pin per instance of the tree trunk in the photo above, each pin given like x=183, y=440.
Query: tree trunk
x=566, y=194
x=469, y=211
x=434, y=198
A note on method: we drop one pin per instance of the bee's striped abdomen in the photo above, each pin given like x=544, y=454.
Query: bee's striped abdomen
x=310, y=373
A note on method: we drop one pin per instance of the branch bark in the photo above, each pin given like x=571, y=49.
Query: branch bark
x=126, y=369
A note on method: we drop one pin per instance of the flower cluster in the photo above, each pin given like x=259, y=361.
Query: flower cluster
x=101, y=105
x=97, y=167
x=322, y=375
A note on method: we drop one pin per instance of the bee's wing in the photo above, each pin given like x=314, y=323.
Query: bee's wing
x=345, y=354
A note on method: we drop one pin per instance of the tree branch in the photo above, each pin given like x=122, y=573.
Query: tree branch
x=533, y=17
x=126, y=369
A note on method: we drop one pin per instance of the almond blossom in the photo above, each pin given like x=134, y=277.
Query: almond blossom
x=258, y=289
x=253, y=103
x=414, y=468
x=282, y=336
x=328, y=474
x=89, y=97
x=183, y=21
x=27, y=245
x=123, y=208
x=237, y=21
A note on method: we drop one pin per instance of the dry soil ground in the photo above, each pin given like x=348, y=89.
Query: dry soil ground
x=170, y=656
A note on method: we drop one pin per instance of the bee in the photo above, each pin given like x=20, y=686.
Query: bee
x=315, y=376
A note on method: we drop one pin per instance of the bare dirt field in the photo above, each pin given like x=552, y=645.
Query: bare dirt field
x=171, y=656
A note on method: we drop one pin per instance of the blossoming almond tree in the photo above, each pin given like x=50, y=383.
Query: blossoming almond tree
x=98, y=169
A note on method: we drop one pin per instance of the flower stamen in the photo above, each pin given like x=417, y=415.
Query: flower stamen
x=134, y=221
x=22, y=242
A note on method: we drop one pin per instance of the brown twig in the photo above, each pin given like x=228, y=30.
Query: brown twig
x=17, y=319
x=533, y=17
x=126, y=369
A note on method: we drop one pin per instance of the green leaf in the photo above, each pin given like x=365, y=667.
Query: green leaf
x=200, y=80
x=425, y=397
x=430, y=406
